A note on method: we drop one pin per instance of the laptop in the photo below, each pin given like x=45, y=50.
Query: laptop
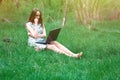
x=52, y=36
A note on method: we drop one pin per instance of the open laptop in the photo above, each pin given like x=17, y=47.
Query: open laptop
x=52, y=36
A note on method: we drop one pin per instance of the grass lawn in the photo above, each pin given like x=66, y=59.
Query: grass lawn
x=101, y=48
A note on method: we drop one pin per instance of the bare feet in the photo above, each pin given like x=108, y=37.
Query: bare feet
x=78, y=55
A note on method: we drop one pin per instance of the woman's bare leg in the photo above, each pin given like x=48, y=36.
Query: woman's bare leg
x=66, y=50
x=55, y=49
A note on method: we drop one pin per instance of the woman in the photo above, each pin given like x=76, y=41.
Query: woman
x=37, y=33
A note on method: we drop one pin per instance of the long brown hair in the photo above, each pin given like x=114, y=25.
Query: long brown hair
x=33, y=14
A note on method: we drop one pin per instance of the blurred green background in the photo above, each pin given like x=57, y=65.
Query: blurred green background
x=92, y=26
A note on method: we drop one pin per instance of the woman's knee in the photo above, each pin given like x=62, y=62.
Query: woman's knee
x=54, y=42
x=49, y=46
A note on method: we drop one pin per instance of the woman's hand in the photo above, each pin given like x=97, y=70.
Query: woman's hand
x=36, y=28
x=36, y=21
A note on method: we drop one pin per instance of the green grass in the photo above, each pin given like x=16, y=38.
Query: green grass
x=101, y=59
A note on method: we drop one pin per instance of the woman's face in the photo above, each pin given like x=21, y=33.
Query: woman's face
x=37, y=15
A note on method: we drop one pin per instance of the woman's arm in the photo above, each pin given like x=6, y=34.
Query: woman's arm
x=31, y=32
x=43, y=34
x=37, y=35
x=34, y=33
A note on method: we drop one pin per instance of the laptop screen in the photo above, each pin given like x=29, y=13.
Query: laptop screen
x=53, y=35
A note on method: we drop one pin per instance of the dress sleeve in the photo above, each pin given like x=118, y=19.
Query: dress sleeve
x=28, y=24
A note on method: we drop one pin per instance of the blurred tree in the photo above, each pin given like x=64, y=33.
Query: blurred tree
x=62, y=2
x=17, y=3
x=87, y=10
x=0, y=1
x=49, y=2
x=44, y=5
x=65, y=14
x=76, y=9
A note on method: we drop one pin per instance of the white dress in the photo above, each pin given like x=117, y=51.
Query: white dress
x=32, y=41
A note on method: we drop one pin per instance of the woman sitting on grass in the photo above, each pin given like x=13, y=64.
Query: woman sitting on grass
x=37, y=33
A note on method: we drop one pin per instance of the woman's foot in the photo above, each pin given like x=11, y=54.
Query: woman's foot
x=78, y=55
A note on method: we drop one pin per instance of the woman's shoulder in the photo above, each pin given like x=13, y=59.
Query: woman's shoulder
x=28, y=24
